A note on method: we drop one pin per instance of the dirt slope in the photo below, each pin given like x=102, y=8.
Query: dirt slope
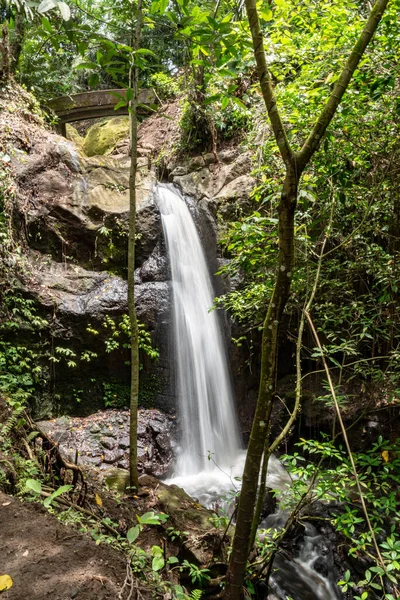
x=46, y=559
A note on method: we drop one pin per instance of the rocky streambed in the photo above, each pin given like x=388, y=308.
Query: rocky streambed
x=102, y=439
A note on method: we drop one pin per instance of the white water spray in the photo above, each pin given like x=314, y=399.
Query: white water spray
x=209, y=427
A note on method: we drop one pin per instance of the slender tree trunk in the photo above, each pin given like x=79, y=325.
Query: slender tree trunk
x=295, y=164
x=134, y=85
x=16, y=46
x=266, y=392
x=5, y=53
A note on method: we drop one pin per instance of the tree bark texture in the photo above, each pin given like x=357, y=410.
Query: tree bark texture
x=5, y=53
x=295, y=163
x=266, y=392
x=18, y=40
x=134, y=391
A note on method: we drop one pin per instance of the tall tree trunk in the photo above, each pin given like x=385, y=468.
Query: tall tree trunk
x=16, y=45
x=266, y=392
x=134, y=85
x=5, y=53
x=295, y=164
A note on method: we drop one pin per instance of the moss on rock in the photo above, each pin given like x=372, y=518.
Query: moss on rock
x=102, y=137
x=74, y=136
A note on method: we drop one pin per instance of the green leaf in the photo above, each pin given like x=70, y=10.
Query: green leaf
x=212, y=98
x=34, y=485
x=149, y=518
x=46, y=5
x=47, y=25
x=64, y=10
x=87, y=65
x=158, y=563
x=133, y=534
x=238, y=102
x=173, y=560
x=224, y=102
x=56, y=493
x=94, y=80
x=120, y=104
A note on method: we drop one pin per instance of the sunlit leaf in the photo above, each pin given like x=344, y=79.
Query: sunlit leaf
x=5, y=582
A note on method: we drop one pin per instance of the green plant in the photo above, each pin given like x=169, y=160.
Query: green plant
x=165, y=86
x=197, y=575
x=176, y=534
x=35, y=486
x=149, y=518
x=378, y=471
x=116, y=394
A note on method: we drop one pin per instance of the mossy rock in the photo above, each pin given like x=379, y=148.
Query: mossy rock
x=74, y=136
x=102, y=137
x=117, y=479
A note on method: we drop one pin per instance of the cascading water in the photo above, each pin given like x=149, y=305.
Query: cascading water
x=209, y=427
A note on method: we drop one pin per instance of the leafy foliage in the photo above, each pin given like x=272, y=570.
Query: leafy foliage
x=378, y=469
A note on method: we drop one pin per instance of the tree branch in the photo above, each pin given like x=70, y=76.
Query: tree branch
x=312, y=142
x=266, y=85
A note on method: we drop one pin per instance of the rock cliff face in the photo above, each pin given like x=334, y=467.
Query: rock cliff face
x=72, y=210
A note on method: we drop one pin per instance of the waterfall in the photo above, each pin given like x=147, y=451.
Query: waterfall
x=210, y=435
x=208, y=422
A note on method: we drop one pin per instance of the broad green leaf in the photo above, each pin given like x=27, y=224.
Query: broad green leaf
x=46, y=5
x=34, y=485
x=56, y=493
x=133, y=534
x=47, y=26
x=64, y=10
x=87, y=65
x=224, y=102
x=94, y=80
x=120, y=104
x=158, y=563
x=149, y=518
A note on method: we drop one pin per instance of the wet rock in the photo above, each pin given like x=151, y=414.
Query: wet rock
x=112, y=457
x=124, y=442
x=117, y=479
x=163, y=441
x=186, y=515
x=109, y=443
x=155, y=450
x=196, y=163
x=197, y=183
x=155, y=268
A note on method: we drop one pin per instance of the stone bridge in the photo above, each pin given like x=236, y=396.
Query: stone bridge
x=93, y=105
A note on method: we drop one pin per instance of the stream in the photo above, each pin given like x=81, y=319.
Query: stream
x=210, y=459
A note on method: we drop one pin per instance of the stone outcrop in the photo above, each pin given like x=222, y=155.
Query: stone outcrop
x=102, y=440
x=73, y=209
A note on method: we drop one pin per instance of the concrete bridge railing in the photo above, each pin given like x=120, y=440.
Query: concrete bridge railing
x=93, y=105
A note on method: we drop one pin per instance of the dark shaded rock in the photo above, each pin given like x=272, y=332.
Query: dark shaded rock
x=202, y=539
x=155, y=450
x=164, y=442
x=113, y=456
x=108, y=443
x=124, y=442
x=155, y=268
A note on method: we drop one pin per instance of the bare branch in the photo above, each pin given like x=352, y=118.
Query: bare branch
x=266, y=84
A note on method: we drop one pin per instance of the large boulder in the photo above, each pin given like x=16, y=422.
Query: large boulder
x=74, y=207
x=103, y=136
x=78, y=304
